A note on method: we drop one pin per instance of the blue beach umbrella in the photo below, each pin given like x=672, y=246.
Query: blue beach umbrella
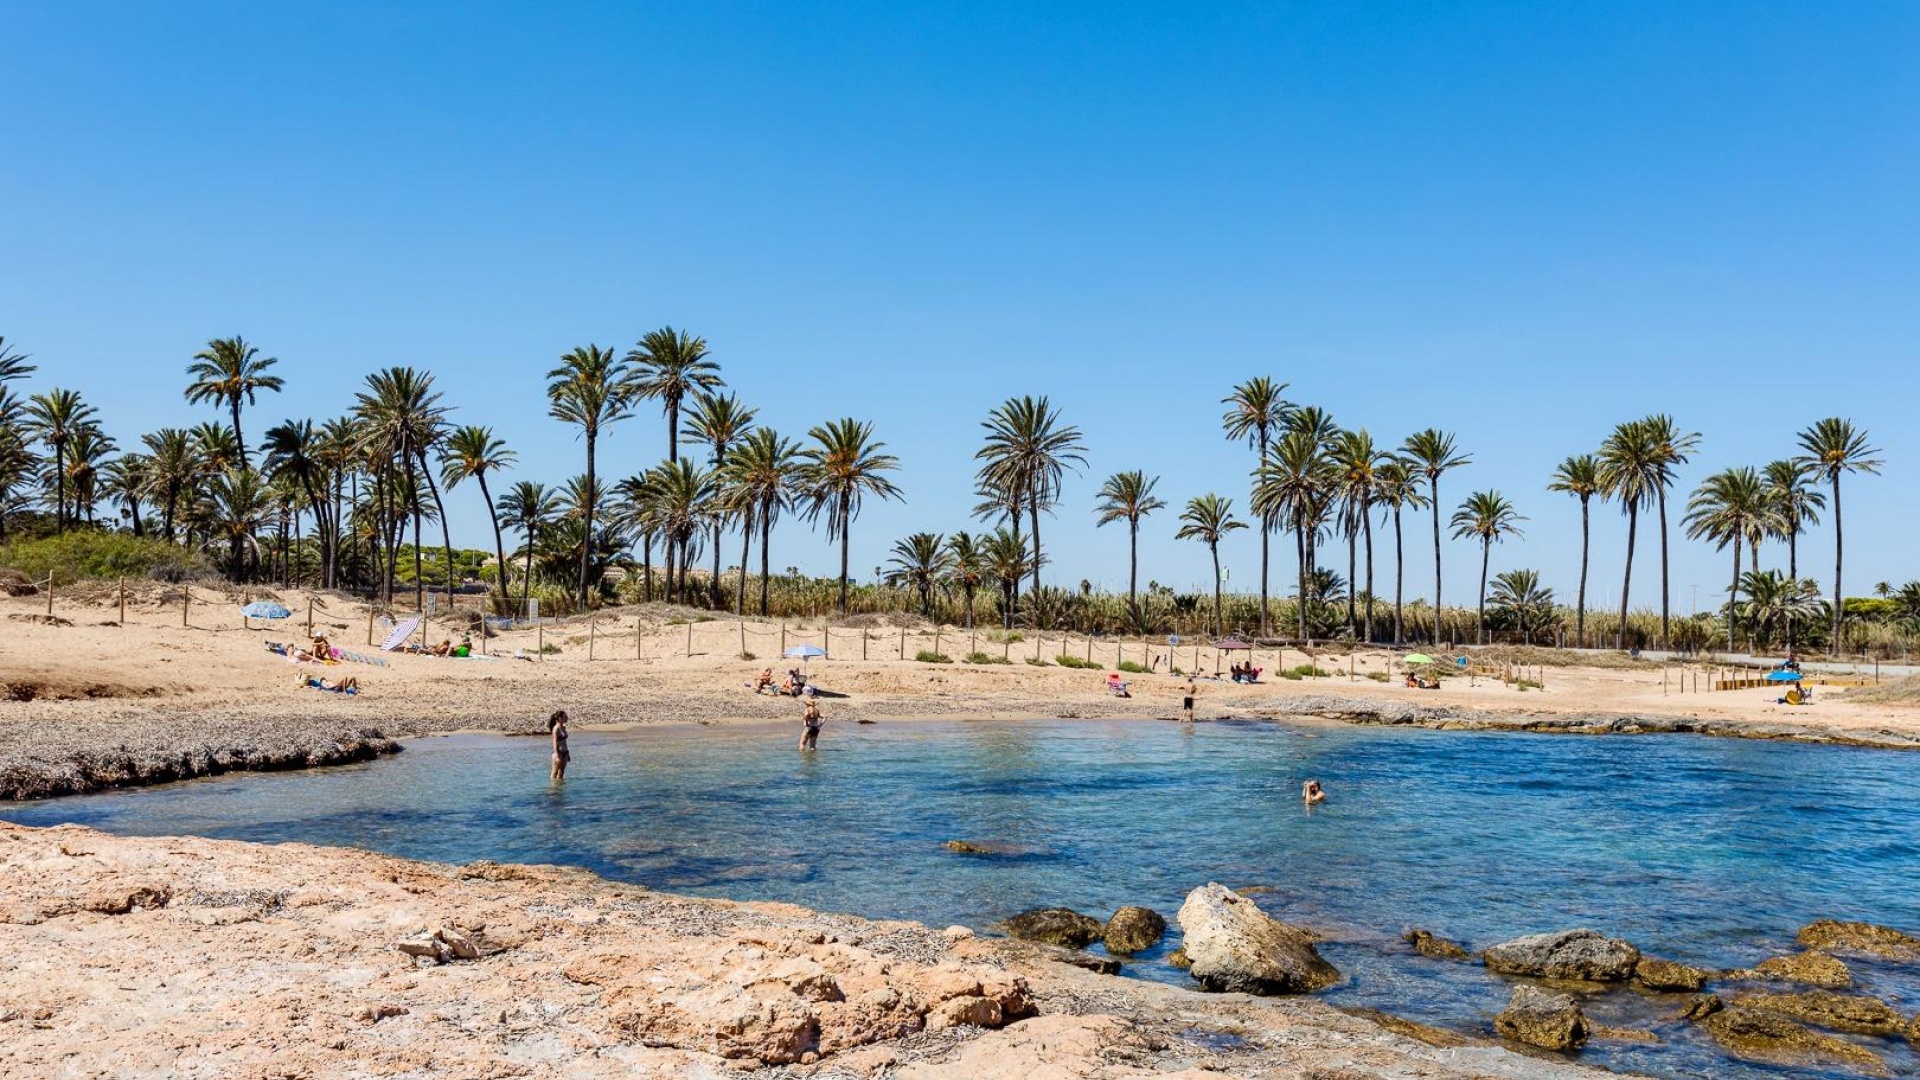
x=1783, y=676
x=804, y=652
x=265, y=609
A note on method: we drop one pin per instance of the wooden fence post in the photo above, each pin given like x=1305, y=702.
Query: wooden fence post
x=186, y=600
x=49, y=593
x=593, y=625
x=483, y=626
x=743, y=637
x=637, y=654
x=1089, y=648
x=540, y=642
x=936, y=640
x=903, y=643
x=863, y=644
x=1006, y=648
x=123, y=602
x=689, y=637
x=369, y=622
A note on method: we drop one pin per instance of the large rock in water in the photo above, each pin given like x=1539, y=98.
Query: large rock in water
x=1670, y=976
x=1829, y=935
x=1807, y=968
x=1768, y=1036
x=1854, y=1013
x=1234, y=947
x=1133, y=929
x=1055, y=926
x=1566, y=954
x=1539, y=1018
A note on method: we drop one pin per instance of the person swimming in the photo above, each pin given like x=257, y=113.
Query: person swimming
x=1311, y=793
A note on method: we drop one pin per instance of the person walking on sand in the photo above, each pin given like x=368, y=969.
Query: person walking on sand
x=557, y=724
x=1186, y=703
x=810, y=738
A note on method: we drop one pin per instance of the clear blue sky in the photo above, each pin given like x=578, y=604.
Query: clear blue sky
x=1522, y=222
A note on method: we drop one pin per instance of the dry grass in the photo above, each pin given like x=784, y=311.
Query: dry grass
x=1897, y=692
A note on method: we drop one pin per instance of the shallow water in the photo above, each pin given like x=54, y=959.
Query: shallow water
x=1711, y=851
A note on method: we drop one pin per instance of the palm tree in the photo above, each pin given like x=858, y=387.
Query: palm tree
x=966, y=567
x=17, y=462
x=590, y=390
x=13, y=363
x=1255, y=410
x=842, y=467
x=1027, y=454
x=1773, y=599
x=1796, y=504
x=87, y=453
x=472, y=451
x=1207, y=518
x=172, y=466
x=1399, y=489
x=1519, y=600
x=404, y=419
x=1433, y=453
x=1629, y=471
x=227, y=371
x=126, y=480
x=1128, y=496
x=1730, y=508
x=1671, y=449
x=1007, y=560
x=762, y=474
x=529, y=507
x=919, y=561
x=1292, y=481
x=55, y=418
x=1357, y=463
x=669, y=364
x=1833, y=447
x=680, y=499
x=293, y=457
x=217, y=446
x=719, y=421
x=1486, y=516
x=1579, y=476
x=238, y=503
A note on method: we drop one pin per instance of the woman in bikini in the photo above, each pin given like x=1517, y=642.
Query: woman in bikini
x=557, y=724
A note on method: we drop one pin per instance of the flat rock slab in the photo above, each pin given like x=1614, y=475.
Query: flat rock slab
x=1569, y=955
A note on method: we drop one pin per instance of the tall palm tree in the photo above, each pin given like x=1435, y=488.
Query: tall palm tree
x=87, y=453
x=1579, y=476
x=55, y=418
x=1671, y=448
x=1833, y=446
x=529, y=507
x=238, y=503
x=1358, y=464
x=1293, y=480
x=1007, y=560
x=681, y=497
x=217, y=446
x=1128, y=497
x=17, y=462
x=226, y=372
x=1255, y=410
x=173, y=463
x=1730, y=508
x=1629, y=474
x=1207, y=519
x=719, y=421
x=472, y=451
x=293, y=457
x=404, y=418
x=1399, y=490
x=590, y=390
x=1432, y=454
x=966, y=567
x=1486, y=516
x=1796, y=503
x=919, y=560
x=842, y=467
x=1028, y=452
x=762, y=474
x=669, y=364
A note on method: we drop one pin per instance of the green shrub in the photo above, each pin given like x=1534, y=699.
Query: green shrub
x=928, y=656
x=748, y=656
x=79, y=555
x=1003, y=637
x=1377, y=676
x=1074, y=662
x=1134, y=667
x=986, y=658
x=1304, y=671
x=550, y=648
x=1035, y=661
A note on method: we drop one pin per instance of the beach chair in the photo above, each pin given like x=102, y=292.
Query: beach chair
x=1117, y=686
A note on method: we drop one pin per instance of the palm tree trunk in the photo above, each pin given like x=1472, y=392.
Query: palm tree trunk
x=1839, y=549
x=239, y=439
x=1580, y=605
x=1300, y=605
x=1133, y=574
x=1434, y=487
x=713, y=587
x=1368, y=527
x=166, y=514
x=1793, y=574
x=59, y=487
x=586, y=535
x=1033, y=508
x=446, y=533
x=667, y=554
x=1353, y=564
x=1626, y=581
x=766, y=549
x=499, y=544
x=1480, y=618
x=1399, y=578
x=746, y=548
x=1664, y=638
x=673, y=429
x=419, y=561
x=1264, y=531
x=1219, y=624
x=646, y=567
x=1733, y=594
x=526, y=577
x=846, y=528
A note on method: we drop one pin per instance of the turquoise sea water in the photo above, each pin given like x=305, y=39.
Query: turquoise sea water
x=1705, y=850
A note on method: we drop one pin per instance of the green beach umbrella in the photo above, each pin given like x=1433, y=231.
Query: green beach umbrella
x=1419, y=658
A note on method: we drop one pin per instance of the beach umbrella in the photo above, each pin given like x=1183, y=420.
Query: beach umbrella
x=1783, y=676
x=1418, y=658
x=804, y=653
x=400, y=634
x=265, y=609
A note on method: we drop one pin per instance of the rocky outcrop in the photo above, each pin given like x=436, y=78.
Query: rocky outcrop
x=1768, y=1036
x=1867, y=939
x=1573, y=955
x=1854, y=1013
x=1134, y=929
x=1702, y=1006
x=1668, y=976
x=1806, y=968
x=1232, y=946
x=1055, y=926
x=1540, y=1018
x=1439, y=948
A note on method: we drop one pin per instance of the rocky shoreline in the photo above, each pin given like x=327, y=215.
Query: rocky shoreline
x=185, y=956
x=72, y=748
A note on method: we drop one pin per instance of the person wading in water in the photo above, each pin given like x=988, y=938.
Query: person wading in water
x=810, y=738
x=557, y=724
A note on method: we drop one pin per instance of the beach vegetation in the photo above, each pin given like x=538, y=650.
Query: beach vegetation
x=928, y=656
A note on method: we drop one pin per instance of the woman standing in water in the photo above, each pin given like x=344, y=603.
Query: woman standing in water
x=810, y=738
x=557, y=724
